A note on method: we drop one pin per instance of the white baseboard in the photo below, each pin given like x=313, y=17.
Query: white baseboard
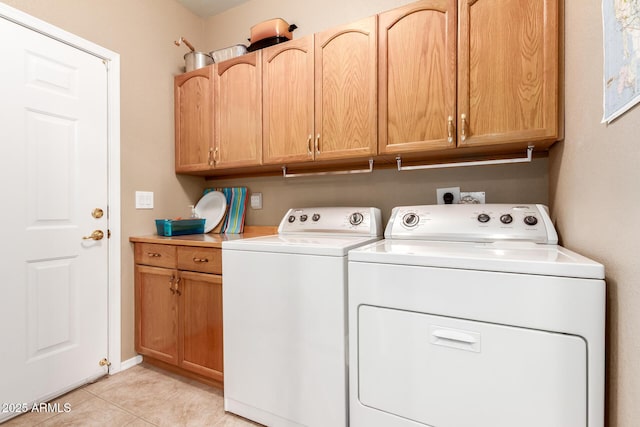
x=130, y=363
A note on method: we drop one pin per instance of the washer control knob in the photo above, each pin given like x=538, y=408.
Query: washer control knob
x=356, y=218
x=411, y=219
x=303, y=218
x=530, y=220
x=291, y=219
x=483, y=217
x=506, y=219
x=315, y=217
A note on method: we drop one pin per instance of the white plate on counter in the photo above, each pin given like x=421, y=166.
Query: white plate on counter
x=212, y=207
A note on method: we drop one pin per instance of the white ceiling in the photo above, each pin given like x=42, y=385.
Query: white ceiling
x=206, y=8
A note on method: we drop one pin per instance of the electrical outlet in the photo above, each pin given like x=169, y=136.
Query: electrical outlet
x=455, y=192
x=472, y=197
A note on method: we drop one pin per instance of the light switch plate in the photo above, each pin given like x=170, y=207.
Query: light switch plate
x=256, y=201
x=144, y=199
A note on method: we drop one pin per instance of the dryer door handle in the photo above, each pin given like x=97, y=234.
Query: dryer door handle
x=455, y=338
x=448, y=334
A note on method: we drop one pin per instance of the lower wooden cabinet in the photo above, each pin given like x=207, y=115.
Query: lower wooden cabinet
x=200, y=324
x=179, y=312
x=156, y=313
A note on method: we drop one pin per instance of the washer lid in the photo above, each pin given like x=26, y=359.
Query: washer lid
x=308, y=244
x=505, y=256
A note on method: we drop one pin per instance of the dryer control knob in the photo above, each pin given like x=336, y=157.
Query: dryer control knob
x=303, y=218
x=291, y=218
x=530, y=220
x=411, y=219
x=506, y=219
x=483, y=217
x=315, y=217
x=356, y=218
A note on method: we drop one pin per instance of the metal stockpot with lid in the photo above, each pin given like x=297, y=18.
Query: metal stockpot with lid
x=193, y=59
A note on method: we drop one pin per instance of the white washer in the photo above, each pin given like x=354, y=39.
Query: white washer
x=285, y=317
x=472, y=315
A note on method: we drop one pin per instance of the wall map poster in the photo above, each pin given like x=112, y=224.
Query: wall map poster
x=621, y=25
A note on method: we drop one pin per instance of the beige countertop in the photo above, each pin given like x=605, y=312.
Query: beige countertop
x=209, y=240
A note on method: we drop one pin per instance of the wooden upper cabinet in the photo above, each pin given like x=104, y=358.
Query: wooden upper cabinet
x=508, y=71
x=287, y=87
x=417, y=77
x=193, y=98
x=346, y=91
x=238, y=113
x=430, y=78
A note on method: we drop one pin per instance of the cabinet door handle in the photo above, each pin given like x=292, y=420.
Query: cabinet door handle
x=200, y=259
x=309, y=147
x=463, y=127
x=210, y=157
x=177, y=290
x=171, y=279
x=318, y=144
x=216, y=156
x=450, y=129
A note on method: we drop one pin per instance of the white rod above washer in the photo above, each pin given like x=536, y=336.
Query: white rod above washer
x=471, y=163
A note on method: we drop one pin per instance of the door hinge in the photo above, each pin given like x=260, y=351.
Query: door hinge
x=104, y=362
x=106, y=64
x=108, y=234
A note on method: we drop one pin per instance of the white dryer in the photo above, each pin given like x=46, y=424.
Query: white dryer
x=473, y=316
x=285, y=317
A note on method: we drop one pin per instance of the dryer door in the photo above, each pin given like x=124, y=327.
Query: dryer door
x=441, y=371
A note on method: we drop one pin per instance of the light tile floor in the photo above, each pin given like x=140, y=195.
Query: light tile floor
x=140, y=396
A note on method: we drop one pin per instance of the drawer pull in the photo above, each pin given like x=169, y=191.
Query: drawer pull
x=200, y=259
x=153, y=254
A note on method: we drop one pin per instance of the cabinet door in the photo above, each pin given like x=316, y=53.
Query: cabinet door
x=346, y=91
x=193, y=97
x=156, y=310
x=508, y=71
x=201, y=323
x=238, y=124
x=417, y=77
x=288, y=101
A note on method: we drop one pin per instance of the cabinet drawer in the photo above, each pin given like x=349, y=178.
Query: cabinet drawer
x=206, y=260
x=154, y=254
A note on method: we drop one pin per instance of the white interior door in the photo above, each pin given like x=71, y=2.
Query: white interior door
x=53, y=175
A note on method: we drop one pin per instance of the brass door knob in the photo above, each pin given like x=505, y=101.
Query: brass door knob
x=96, y=235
